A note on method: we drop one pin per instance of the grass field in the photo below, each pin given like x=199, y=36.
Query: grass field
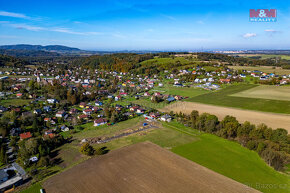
x=266, y=92
x=223, y=98
x=266, y=69
x=232, y=160
x=267, y=56
x=14, y=102
x=183, y=91
x=171, y=90
x=35, y=188
x=165, y=137
x=167, y=61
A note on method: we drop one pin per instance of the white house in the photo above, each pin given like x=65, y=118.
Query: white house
x=166, y=118
x=100, y=121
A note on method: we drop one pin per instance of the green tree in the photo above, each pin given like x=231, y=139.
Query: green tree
x=194, y=118
x=87, y=149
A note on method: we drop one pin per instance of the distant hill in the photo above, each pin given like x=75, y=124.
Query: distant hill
x=52, y=48
x=28, y=53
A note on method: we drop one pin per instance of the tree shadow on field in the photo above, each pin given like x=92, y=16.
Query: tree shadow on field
x=102, y=151
x=54, y=153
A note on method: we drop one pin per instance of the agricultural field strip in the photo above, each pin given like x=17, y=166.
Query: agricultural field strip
x=266, y=92
x=223, y=98
x=266, y=69
x=271, y=119
x=125, y=133
x=143, y=166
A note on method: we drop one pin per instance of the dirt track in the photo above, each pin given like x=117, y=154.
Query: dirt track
x=273, y=120
x=143, y=167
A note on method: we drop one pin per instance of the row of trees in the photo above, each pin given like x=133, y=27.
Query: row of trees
x=272, y=145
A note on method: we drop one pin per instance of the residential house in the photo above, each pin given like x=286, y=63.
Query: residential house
x=37, y=111
x=64, y=128
x=170, y=99
x=154, y=114
x=123, y=93
x=83, y=116
x=47, y=109
x=82, y=105
x=51, y=101
x=19, y=95
x=225, y=80
x=100, y=121
x=140, y=110
x=146, y=94
x=3, y=176
x=166, y=118
x=98, y=103
x=26, y=135
x=117, y=98
x=73, y=111
x=60, y=114
x=47, y=119
x=134, y=108
x=87, y=111
x=178, y=97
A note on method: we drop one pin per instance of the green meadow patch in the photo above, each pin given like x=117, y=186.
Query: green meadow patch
x=15, y=102
x=223, y=98
x=35, y=188
x=234, y=161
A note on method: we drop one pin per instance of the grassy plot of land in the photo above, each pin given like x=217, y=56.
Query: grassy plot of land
x=266, y=92
x=162, y=136
x=171, y=90
x=182, y=91
x=232, y=160
x=91, y=131
x=35, y=188
x=69, y=153
x=167, y=61
x=266, y=69
x=14, y=102
x=267, y=56
x=223, y=98
x=147, y=103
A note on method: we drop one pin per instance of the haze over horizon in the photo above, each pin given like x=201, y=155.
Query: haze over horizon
x=150, y=25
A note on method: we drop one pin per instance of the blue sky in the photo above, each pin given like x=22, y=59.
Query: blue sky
x=139, y=25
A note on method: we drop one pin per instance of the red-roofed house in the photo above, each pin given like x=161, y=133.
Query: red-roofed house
x=26, y=135
x=100, y=121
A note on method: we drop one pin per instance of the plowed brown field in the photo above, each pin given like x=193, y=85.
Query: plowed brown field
x=143, y=167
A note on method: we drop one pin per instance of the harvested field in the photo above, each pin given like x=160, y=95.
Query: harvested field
x=271, y=119
x=266, y=92
x=143, y=167
x=266, y=69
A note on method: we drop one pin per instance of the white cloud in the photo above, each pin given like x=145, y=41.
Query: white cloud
x=11, y=14
x=119, y=35
x=249, y=35
x=27, y=27
x=69, y=31
x=149, y=30
x=270, y=30
x=200, y=22
x=55, y=29
x=169, y=17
